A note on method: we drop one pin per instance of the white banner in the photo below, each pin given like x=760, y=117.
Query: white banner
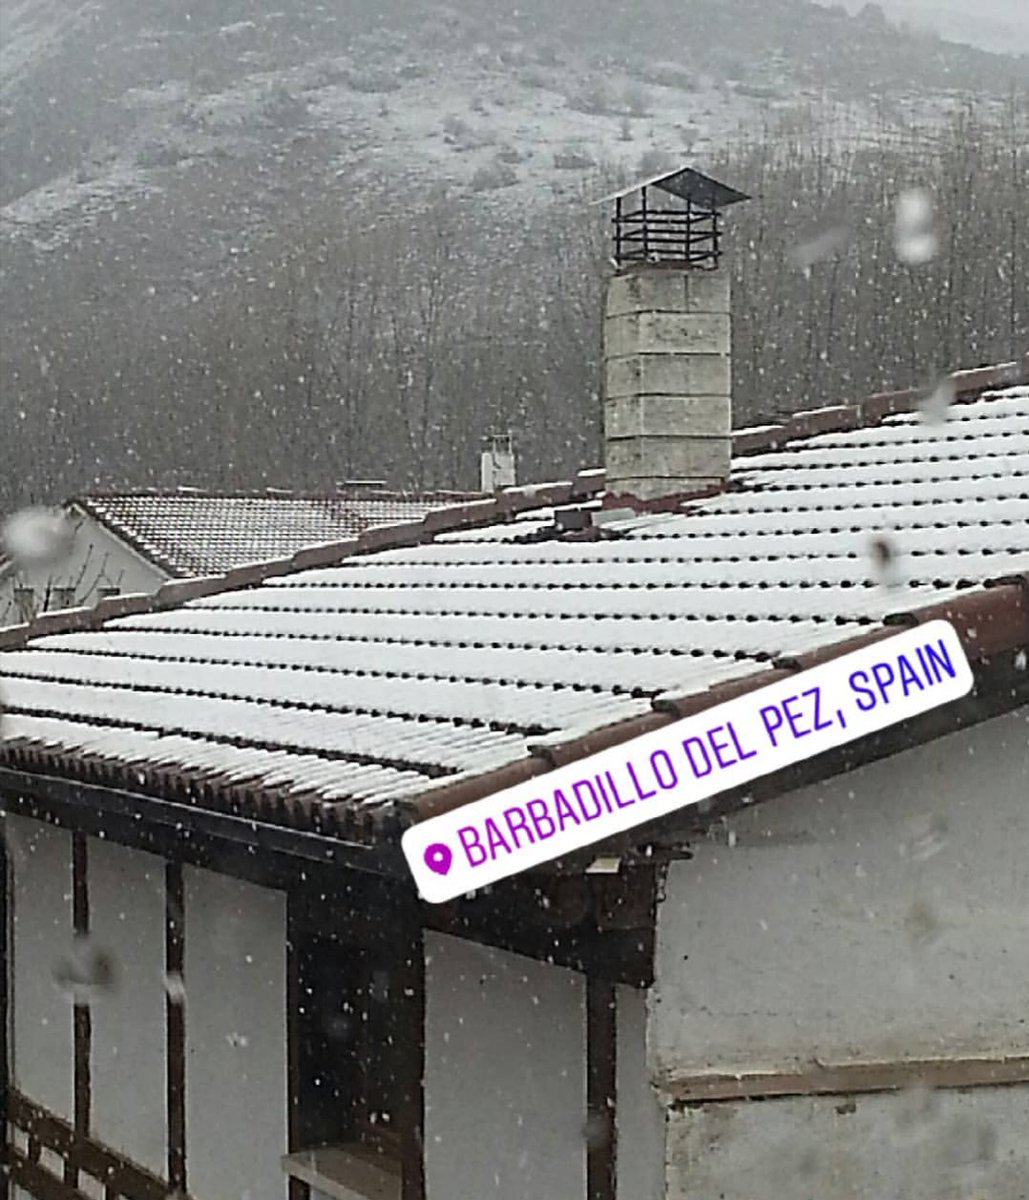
x=687, y=761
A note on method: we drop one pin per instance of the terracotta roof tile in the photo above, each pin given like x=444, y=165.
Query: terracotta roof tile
x=192, y=533
x=466, y=652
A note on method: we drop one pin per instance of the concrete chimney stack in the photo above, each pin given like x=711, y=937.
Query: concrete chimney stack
x=497, y=462
x=667, y=340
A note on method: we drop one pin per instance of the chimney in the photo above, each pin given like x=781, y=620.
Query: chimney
x=667, y=339
x=497, y=462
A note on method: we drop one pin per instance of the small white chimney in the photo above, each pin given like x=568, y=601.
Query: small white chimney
x=667, y=340
x=497, y=462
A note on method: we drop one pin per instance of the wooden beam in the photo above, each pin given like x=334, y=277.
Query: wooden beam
x=848, y=1078
x=297, y=1188
x=39, y=1183
x=121, y=1177
x=601, y=1062
x=175, y=1018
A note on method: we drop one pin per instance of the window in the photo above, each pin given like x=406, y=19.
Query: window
x=378, y=1054
x=105, y=592
x=348, y=1048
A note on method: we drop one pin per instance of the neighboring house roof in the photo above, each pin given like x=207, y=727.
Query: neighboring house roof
x=486, y=645
x=190, y=532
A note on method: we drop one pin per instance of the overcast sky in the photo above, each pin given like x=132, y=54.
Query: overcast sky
x=995, y=24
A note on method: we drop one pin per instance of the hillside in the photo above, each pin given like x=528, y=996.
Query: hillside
x=160, y=158
x=110, y=102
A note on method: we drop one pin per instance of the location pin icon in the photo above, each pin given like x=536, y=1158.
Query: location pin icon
x=438, y=858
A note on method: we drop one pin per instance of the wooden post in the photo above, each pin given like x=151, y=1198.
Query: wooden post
x=411, y=1031
x=175, y=1015
x=83, y=1024
x=618, y=231
x=643, y=221
x=601, y=1062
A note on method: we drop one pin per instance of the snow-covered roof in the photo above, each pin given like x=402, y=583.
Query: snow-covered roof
x=341, y=689
x=189, y=532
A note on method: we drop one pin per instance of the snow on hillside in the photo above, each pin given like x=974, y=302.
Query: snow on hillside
x=105, y=104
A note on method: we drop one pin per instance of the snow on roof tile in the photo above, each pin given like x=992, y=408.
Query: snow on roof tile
x=397, y=671
x=198, y=533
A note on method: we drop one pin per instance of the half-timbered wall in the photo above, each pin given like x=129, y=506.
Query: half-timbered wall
x=505, y=1075
x=236, y=1093
x=877, y=923
x=96, y=1106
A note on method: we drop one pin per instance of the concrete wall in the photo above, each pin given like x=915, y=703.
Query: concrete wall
x=505, y=1075
x=881, y=916
x=39, y=858
x=128, y=1020
x=98, y=559
x=944, y=1145
x=236, y=1089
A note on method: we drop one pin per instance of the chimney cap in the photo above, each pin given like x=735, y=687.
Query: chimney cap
x=685, y=234
x=685, y=183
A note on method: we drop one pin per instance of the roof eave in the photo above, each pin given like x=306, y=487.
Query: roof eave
x=989, y=621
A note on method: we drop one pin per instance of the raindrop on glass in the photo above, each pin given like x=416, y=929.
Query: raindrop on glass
x=85, y=974
x=922, y=924
x=596, y=1130
x=936, y=402
x=914, y=237
x=885, y=561
x=818, y=248
x=175, y=988
x=917, y=1109
x=37, y=537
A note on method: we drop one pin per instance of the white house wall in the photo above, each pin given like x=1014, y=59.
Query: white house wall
x=235, y=981
x=98, y=559
x=505, y=1075
x=944, y=1145
x=882, y=914
x=880, y=917
x=39, y=858
x=127, y=922
x=639, y=1116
